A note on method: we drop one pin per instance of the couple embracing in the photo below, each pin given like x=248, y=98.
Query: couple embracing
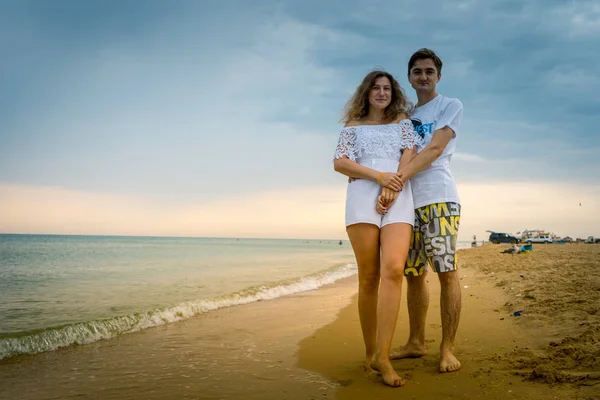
x=402, y=208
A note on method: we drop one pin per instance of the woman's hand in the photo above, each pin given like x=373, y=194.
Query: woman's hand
x=380, y=207
x=385, y=200
x=388, y=195
x=390, y=180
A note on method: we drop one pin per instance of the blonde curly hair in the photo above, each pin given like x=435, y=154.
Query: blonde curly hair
x=358, y=105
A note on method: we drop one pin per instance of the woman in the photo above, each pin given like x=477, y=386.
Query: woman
x=377, y=139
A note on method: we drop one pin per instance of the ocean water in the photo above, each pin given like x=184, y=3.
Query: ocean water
x=58, y=291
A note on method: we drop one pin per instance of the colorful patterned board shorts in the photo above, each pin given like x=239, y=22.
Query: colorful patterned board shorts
x=433, y=239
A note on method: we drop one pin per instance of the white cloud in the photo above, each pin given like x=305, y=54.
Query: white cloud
x=167, y=120
x=586, y=21
x=458, y=68
x=578, y=18
x=278, y=72
x=200, y=118
x=572, y=78
x=464, y=5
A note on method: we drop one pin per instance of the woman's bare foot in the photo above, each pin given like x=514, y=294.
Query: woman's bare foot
x=389, y=375
x=448, y=363
x=409, y=350
x=369, y=366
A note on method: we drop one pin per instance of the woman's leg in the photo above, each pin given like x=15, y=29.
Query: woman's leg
x=365, y=243
x=395, y=240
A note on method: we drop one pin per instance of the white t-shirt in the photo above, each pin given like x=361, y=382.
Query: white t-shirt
x=435, y=184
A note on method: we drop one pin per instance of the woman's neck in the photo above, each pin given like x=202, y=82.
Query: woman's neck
x=375, y=116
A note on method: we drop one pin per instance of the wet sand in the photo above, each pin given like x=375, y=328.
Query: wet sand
x=308, y=346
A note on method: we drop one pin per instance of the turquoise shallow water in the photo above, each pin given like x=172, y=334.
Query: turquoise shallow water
x=56, y=291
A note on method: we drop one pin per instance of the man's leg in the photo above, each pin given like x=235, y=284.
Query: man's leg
x=450, y=304
x=443, y=228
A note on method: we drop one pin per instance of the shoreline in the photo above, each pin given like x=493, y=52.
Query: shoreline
x=244, y=351
x=40, y=340
x=308, y=345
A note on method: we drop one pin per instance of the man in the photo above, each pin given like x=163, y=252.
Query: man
x=437, y=119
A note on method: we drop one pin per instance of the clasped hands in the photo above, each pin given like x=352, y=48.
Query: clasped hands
x=391, y=186
x=386, y=199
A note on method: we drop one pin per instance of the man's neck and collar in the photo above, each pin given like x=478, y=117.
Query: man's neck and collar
x=425, y=97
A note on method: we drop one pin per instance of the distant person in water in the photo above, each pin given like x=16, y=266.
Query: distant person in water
x=377, y=139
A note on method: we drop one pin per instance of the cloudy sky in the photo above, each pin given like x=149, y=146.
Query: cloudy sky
x=220, y=117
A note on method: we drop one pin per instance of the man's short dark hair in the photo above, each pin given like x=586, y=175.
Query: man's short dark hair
x=423, y=54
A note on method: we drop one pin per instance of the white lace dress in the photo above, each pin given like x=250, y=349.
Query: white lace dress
x=378, y=147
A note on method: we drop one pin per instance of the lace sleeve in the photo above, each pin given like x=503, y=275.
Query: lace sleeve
x=346, y=146
x=409, y=137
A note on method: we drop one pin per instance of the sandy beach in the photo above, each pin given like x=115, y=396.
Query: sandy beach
x=308, y=345
x=550, y=351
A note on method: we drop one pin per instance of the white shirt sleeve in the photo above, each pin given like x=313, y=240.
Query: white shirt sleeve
x=451, y=116
x=346, y=146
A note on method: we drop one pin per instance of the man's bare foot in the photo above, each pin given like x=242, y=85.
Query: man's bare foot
x=409, y=351
x=389, y=375
x=448, y=363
